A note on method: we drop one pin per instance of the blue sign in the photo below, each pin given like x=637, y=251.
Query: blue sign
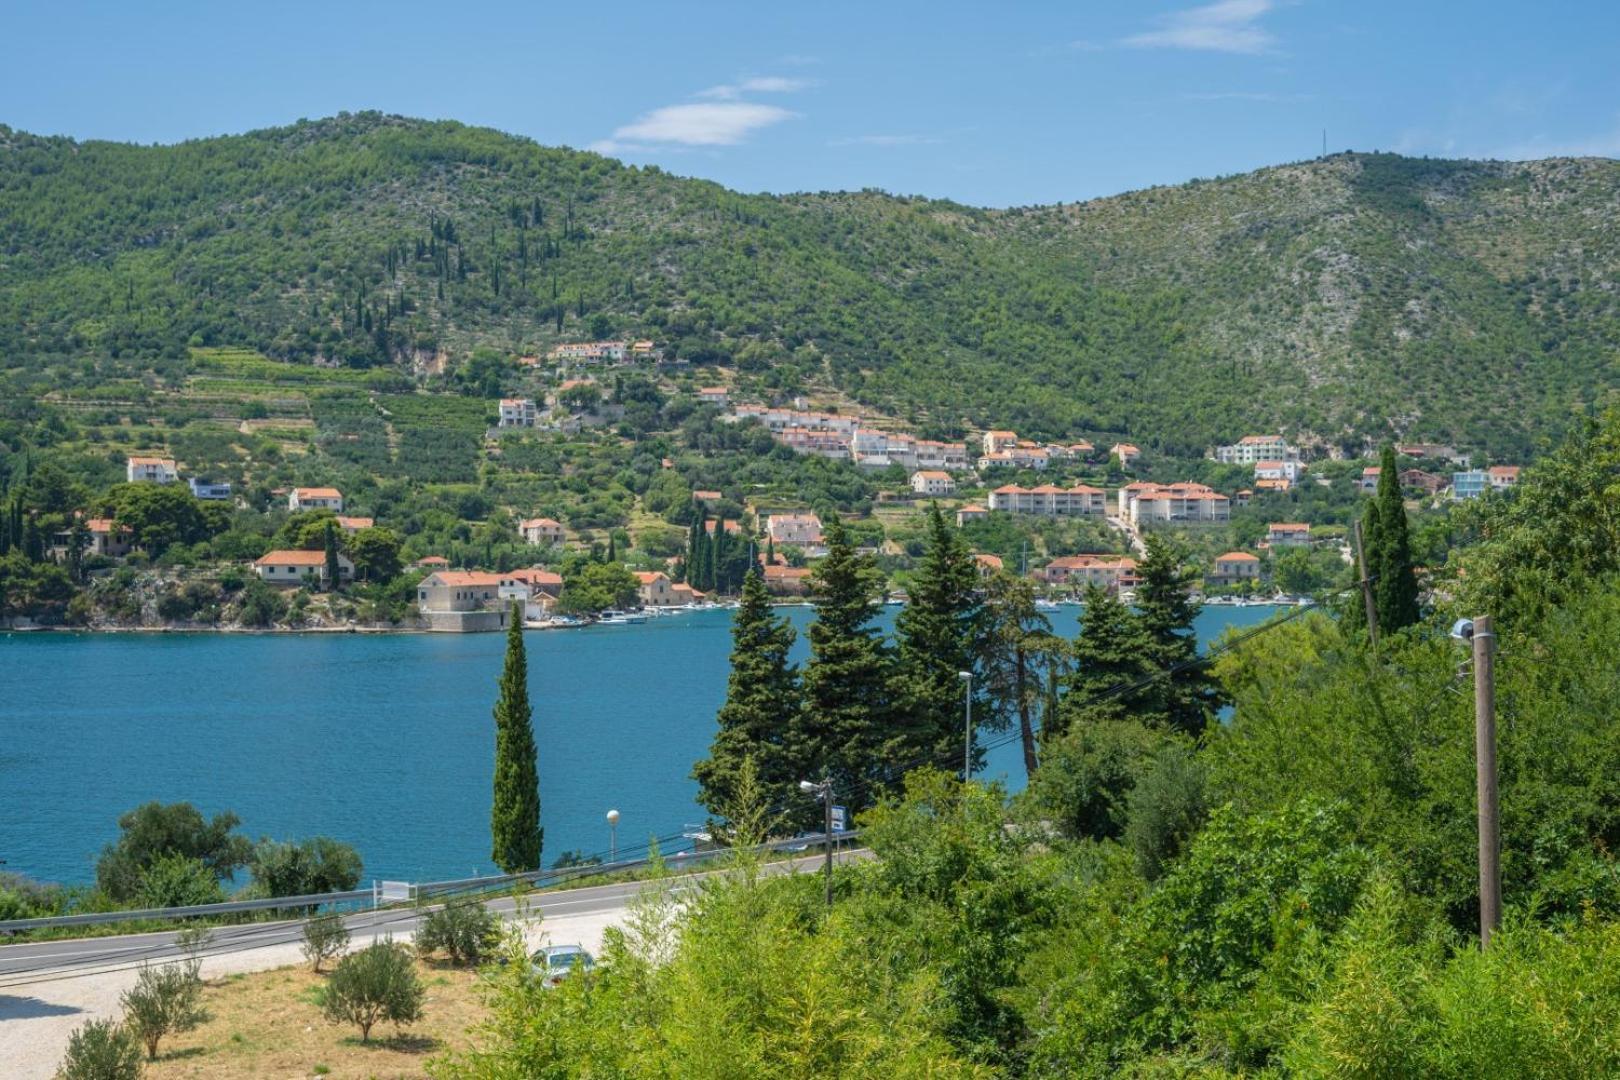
x=840, y=819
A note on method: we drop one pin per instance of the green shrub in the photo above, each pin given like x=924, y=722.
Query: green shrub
x=1084, y=784
x=1167, y=806
x=325, y=938
x=101, y=1050
x=376, y=983
x=164, y=1000
x=176, y=880
x=464, y=929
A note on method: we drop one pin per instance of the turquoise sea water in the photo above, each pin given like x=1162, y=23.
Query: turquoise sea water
x=383, y=741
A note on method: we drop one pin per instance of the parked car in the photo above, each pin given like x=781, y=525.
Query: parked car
x=554, y=963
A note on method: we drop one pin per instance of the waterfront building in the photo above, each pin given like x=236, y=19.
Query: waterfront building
x=294, y=568
x=464, y=601
x=1233, y=568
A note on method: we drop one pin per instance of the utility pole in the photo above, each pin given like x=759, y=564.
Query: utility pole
x=826, y=803
x=1490, y=842
x=967, y=725
x=1366, y=586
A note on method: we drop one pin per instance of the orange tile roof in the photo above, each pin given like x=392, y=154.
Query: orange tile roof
x=1289, y=526
x=1237, y=556
x=318, y=493
x=291, y=558
x=535, y=576
x=355, y=522
x=540, y=523
x=433, y=560
x=468, y=577
x=152, y=461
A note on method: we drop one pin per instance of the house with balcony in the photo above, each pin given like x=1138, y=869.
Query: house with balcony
x=518, y=413
x=209, y=490
x=1126, y=453
x=796, y=530
x=1252, y=449
x=106, y=538
x=1469, y=484
x=932, y=482
x=1234, y=568
x=1049, y=500
x=541, y=531
x=1502, y=477
x=787, y=580
x=971, y=512
x=996, y=441
x=315, y=498
x=1110, y=572
x=1277, y=470
x=150, y=470
x=1144, y=503
x=295, y=568
x=1287, y=534
x=465, y=601
x=655, y=590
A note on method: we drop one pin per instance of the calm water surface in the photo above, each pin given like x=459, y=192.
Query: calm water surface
x=383, y=741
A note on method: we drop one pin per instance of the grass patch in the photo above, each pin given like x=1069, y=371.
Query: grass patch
x=270, y=1024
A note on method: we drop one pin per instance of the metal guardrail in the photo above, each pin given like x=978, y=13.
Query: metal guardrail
x=537, y=878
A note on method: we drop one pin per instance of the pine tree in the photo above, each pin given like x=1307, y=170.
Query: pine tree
x=1165, y=611
x=515, y=817
x=1112, y=650
x=844, y=728
x=936, y=633
x=332, y=566
x=1395, y=591
x=1017, y=647
x=762, y=700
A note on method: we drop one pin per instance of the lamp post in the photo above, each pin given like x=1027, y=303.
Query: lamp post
x=823, y=791
x=613, y=836
x=967, y=724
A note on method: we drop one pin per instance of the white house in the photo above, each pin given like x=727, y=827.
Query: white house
x=293, y=568
x=1126, y=453
x=518, y=413
x=315, y=498
x=798, y=529
x=1142, y=503
x=712, y=395
x=464, y=601
x=932, y=482
x=1234, y=567
x=1252, y=449
x=1286, y=534
x=1282, y=469
x=150, y=470
x=541, y=532
x=1502, y=477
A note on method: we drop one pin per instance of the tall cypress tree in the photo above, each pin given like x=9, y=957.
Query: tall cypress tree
x=332, y=565
x=514, y=821
x=936, y=633
x=1112, y=650
x=1165, y=611
x=1395, y=591
x=843, y=729
x=762, y=701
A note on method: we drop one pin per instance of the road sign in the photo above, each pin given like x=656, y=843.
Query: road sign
x=390, y=891
x=840, y=819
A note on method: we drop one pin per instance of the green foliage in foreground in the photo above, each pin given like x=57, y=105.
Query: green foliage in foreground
x=164, y=1001
x=102, y=1050
x=464, y=930
x=1293, y=894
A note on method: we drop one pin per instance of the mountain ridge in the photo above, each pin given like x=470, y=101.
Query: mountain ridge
x=1353, y=297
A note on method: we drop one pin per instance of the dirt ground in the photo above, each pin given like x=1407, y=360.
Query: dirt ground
x=269, y=1024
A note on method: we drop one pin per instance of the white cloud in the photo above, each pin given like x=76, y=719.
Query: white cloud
x=709, y=124
x=761, y=84
x=887, y=140
x=1224, y=26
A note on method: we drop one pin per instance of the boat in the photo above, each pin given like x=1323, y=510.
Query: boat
x=1046, y=605
x=621, y=618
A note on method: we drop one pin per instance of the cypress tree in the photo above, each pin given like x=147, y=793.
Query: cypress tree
x=332, y=567
x=762, y=700
x=515, y=817
x=1395, y=591
x=613, y=547
x=1112, y=649
x=1165, y=611
x=936, y=631
x=844, y=728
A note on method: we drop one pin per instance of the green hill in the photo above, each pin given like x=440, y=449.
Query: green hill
x=1358, y=295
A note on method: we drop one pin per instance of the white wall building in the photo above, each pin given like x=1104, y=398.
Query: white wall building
x=150, y=470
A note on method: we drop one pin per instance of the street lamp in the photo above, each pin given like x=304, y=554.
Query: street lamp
x=967, y=724
x=823, y=791
x=613, y=836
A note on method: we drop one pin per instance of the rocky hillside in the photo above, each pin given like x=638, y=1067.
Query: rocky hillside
x=1355, y=296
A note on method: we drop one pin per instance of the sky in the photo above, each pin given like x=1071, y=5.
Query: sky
x=999, y=103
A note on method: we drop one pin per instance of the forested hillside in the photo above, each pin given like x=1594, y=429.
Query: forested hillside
x=1352, y=296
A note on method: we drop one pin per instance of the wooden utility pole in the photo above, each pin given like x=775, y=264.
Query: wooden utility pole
x=1366, y=585
x=1490, y=844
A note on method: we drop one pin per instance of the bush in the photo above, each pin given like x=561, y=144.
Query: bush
x=302, y=868
x=177, y=880
x=101, y=1050
x=376, y=983
x=164, y=1000
x=1086, y=777
x=465, y=929
x=154, y=830
x=1167, y=807
x=325, y=938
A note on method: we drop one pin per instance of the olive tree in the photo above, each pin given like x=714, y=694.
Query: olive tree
x=163, y=1001
x=376, y=983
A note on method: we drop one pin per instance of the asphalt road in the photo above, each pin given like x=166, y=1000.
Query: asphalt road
x=48, y=961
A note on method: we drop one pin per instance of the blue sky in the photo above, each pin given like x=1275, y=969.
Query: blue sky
x=998, y=103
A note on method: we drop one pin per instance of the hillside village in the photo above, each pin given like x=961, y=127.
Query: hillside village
x=1065, y=513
